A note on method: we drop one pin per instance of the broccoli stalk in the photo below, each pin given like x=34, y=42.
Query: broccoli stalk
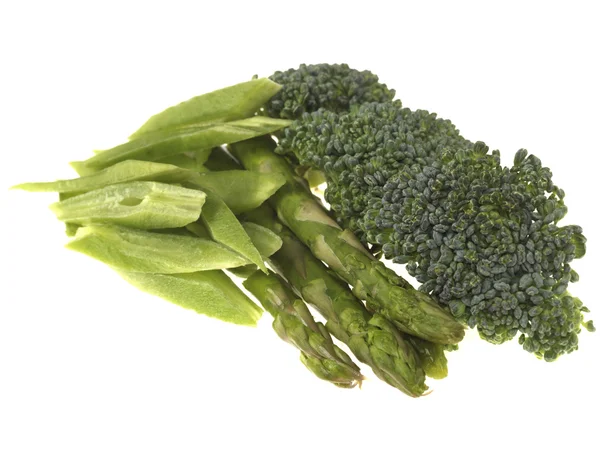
x=410, y=310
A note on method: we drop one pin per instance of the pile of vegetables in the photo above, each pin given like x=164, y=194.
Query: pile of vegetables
x=217, y=188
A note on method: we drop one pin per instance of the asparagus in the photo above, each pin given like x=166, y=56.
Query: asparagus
x=412, y=312
x=347, y=318
x=432, y=356
x=371, y=337
x=295, y=324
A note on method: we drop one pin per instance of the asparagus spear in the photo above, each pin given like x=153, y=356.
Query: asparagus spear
x=347, y=318
x=372, y=338
x=432, y=356
x=295, y=324
x=410, y=310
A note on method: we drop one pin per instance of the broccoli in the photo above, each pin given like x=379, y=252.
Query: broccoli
x=335, y=87
x=482, y=239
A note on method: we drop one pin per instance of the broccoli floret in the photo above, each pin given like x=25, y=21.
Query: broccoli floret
x=335, y=87
x=360, y=152
x=481, y=238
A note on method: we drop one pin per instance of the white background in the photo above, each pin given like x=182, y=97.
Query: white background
x=87, y=362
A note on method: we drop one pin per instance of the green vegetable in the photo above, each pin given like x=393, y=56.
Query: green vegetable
x=243, y=271
x=334, y=87
x=138, y=204
x=410, y=310
x=186, y=161
x=122, y=172
x=373, y=339
x=71, y=229
x=241, y=190
x=198, y=229
x=347, y=318
x=314, y=177
x=224, y=105
x=483, y=239
x=263, y=239
x=431, y=355
x=162, y=144
x=225, y=228
x=294, y=324
x=144, y=251
x=219, y=160
x=210, y=292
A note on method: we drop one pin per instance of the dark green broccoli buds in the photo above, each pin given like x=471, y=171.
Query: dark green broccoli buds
x=481, y=238
x=360, y=152
x=335, y=87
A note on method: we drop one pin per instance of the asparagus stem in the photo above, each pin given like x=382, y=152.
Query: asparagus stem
x=386, y=293
x=347, y=318
x=372, y=338
x=295, y=324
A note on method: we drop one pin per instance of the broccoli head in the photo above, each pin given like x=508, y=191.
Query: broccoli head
x=481, y=238
x=360, y=152
x=335, y=87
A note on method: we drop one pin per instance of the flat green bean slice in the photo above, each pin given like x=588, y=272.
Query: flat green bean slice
x=139, y=204
x=70, y=228
x=219, y=159
x=225, y=228
x=211, y=293
x=266, y=241
x=185, y=161
x=198, y=229
x=161, y=144
x=241, y=190
x=243, y=271
x=144, y=251
x=122, y=172
x=223, y=105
